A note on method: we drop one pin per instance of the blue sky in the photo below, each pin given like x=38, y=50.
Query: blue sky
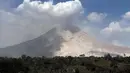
x=112, y=7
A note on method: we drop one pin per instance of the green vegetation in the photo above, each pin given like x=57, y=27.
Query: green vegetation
x=82, y=64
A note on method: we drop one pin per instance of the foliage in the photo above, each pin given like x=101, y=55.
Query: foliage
x=82, y=64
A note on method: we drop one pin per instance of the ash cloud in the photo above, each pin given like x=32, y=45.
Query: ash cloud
x=33, y=19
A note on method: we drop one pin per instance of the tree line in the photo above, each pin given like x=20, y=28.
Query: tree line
x=68, y=64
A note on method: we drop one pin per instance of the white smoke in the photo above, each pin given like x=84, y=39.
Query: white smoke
x=34, y=18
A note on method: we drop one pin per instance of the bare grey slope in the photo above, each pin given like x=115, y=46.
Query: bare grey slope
x=41, y=46
x=52, y=44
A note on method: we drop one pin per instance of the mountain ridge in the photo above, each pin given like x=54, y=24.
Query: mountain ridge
x=64, y=43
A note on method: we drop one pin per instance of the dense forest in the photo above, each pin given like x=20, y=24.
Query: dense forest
x=68, y=64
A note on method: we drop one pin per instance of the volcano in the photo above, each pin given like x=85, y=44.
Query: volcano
x=82, y=43
x=64, y=43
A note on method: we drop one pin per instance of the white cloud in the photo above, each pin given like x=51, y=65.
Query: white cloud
x=127, y=16
x=33, y=18
x=113, y=27
x=26, y=1
x=96, y=17
x=118, y=30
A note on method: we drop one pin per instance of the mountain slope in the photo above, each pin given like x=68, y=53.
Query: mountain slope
x=82, y=43
x=45, y=45
x=64, y=43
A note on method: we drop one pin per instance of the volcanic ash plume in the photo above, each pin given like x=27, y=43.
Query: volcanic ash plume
x=34, y=18
x=29, y=28
x=79, y=43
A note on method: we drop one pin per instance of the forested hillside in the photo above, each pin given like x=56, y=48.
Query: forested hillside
x=81, y=64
